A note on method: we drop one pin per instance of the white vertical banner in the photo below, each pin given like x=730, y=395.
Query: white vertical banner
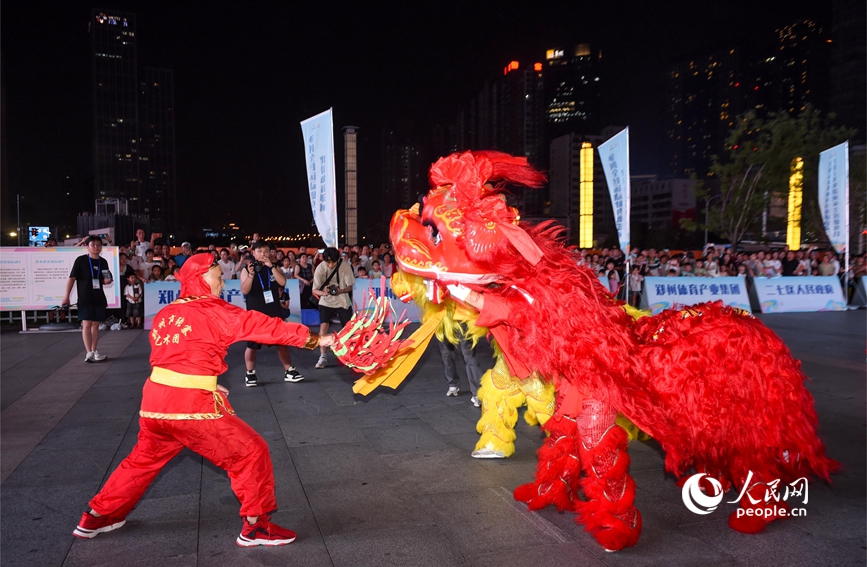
x=614, y=155
x=318, y=134
x=834, y=194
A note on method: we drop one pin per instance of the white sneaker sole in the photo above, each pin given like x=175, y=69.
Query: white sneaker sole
x=244, y=542
x=487, y=454
x=90, y=534
x=293, y=379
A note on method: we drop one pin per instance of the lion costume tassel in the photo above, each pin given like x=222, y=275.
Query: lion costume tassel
x=693, y=379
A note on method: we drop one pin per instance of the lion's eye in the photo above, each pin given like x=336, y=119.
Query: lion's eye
x=434, y=232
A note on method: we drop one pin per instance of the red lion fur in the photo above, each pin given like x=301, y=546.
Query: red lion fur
x=558, y=469
x=719, y=389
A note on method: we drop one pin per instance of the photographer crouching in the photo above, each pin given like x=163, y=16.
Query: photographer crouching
x=262, y=283
x=332, y=284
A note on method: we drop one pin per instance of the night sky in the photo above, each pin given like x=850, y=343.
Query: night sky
x=245, y=76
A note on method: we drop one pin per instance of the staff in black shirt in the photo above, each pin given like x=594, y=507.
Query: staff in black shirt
x=89, y=273
x=262, y=283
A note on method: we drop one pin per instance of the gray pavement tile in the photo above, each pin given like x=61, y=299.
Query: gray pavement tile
x=550, y=555
x=183, y=475
x=304, y=399
x=484, y=521
x=423, y=399
x=159, y=531
x=419, y=546
x=342, y=394
x=37, y=522
x=319, y=430
x=447, y=420
x=343, y=461
x=831, y=516
x=75, y=434
x=509, y=474
x=781, y=544
x=411, y=436
x=379, y=414
x=342, y=507
x=52, y=467
x=439, y=471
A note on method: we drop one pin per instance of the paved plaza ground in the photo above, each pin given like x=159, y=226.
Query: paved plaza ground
x=383, y=480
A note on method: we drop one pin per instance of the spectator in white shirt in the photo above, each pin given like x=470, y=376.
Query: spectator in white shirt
x=145, y=265
x=142, y=245
x=227, y=266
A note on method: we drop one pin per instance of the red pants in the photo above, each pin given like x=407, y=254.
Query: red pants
x=227, y=442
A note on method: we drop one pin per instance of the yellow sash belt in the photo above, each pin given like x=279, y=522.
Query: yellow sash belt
x=168, y=377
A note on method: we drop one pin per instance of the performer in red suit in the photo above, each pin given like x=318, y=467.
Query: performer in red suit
x=183, y=406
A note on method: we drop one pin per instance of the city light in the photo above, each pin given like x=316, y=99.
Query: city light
x=13, y=233
x=796, y=197
x=585, y=212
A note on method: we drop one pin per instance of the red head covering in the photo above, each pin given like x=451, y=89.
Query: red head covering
x=190, y=276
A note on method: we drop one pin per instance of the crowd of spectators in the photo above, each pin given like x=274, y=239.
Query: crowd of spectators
x=611, y=265
x=155, y=260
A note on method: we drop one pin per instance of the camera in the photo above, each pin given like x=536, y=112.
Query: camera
x=333, y=290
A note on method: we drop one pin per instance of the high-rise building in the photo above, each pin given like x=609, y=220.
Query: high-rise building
x=157, y=147
x=573, y=81
x=115, y=106
x=404, y=170
x=793, y=74
x=507, y=115
x=848, y=97
x=702, y=101
x=133, y=122
x=659, y=204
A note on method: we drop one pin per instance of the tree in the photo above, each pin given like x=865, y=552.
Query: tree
x=756, y=166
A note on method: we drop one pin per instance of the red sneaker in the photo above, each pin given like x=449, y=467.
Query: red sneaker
x=263, y=532
x=89, y=526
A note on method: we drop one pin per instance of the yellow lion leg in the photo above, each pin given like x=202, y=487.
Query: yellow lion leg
x=540, y=400
x=501, y=396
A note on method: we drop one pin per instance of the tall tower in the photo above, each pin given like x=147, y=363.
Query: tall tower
x=350, y=137
x=157, y=147
x=702, y=102
x=115, y=107
x=573, y=81
x=133, y=123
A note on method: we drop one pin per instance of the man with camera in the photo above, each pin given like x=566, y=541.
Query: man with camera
x=262, y=283
x=332, y=284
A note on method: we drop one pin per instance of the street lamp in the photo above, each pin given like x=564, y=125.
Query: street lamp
x=706, y=209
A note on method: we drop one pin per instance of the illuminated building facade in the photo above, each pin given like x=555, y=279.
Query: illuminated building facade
x=133, y=122
x=793, y=74
x=350, y=173
x=573, y=81
x=659, y=204
x=579, y=192
x=796, y=199
x=702, y=100
x=157, y=147
x=404, y=170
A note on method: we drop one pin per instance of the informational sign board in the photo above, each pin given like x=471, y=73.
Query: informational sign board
x=159, y=294
x=799, y=294
x=674, y=293
x=34, y=279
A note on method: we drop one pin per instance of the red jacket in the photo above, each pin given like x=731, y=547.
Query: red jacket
x=191, y=335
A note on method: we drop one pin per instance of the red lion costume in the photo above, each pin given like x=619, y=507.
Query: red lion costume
x=717, y=389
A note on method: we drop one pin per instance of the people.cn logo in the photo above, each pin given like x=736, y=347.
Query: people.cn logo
x=697, y=501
